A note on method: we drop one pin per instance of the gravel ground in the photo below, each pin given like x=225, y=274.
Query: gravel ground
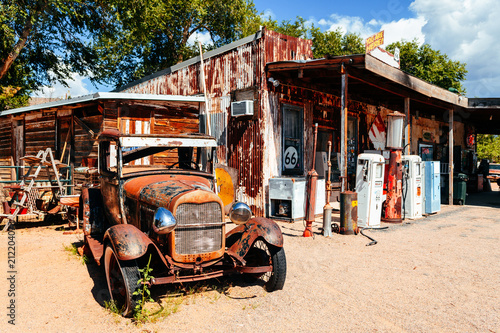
x=436, y=274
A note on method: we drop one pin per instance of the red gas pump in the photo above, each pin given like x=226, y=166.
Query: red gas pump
x=392, y=207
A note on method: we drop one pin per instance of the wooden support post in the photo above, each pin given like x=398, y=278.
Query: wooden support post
x=407, y=129
x=450, y=158
x=343, y=129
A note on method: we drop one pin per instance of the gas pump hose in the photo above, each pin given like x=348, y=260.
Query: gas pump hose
x=373, y=241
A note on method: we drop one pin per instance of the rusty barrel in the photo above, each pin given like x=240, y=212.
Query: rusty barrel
x=349, y=213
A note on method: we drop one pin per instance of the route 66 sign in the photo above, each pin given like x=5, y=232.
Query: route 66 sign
x=291, y=157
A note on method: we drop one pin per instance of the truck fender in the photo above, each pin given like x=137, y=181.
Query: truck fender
x=127, y=241
x=253, y=229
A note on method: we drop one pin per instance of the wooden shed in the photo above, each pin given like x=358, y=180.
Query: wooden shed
x=70, y=127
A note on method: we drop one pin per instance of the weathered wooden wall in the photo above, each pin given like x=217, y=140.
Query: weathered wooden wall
x=5, y=136
x=40, y=131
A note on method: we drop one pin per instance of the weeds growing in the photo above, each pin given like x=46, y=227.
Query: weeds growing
x=72, y=249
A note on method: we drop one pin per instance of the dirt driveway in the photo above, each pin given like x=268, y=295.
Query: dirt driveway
x=436, y=274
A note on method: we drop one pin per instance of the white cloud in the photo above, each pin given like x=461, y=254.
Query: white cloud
x=466, y=31
x=77, y=86
x=353, y=24
x=407, y=29
x=203, y=37
x=268, y=13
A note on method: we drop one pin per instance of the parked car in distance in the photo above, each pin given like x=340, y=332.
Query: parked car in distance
x=495, y=172
x=157, y=201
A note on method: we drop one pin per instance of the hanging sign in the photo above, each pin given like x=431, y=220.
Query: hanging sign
x=373, y=41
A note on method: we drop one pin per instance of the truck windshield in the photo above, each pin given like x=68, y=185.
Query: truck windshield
x=181, y=158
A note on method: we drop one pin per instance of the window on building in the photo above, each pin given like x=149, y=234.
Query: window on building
x=293, y=129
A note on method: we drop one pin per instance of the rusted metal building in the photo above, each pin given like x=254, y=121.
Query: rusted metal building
x=291, y=92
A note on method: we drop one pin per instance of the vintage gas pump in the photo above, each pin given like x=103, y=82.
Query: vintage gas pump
x=392, y=209
x=412, y=186
x=369, y=186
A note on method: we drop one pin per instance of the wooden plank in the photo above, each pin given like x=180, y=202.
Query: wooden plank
x=32, y=126
x=380, y=68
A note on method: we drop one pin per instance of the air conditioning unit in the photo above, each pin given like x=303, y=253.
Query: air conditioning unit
x=242, y=108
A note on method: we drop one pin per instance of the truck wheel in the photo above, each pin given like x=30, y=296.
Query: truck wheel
x=122, y=277
x=262, y=254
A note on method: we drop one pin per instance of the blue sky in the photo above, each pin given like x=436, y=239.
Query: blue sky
x=466, y=30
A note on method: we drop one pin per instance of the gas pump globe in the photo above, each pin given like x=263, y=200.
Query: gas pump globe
x=392, y=207
x=395, y=124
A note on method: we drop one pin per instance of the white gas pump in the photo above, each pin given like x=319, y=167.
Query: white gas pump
x=412, y=186
x=369, y=186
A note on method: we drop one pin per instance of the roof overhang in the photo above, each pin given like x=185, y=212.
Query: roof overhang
x=485, y=114
x=368, y=78
x=195, y=100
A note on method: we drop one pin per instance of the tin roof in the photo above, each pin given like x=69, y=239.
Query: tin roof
x=105, y=96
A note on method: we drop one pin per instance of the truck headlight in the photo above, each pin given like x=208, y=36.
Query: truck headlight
x=240, y=213
x=164, y=221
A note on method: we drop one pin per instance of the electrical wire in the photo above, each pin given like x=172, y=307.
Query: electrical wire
x=373, y=241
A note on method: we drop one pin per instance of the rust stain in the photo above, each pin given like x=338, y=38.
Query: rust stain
x=161, y=190
x=128, y=241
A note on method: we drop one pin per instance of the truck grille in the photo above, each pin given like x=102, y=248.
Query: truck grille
x=191, y=235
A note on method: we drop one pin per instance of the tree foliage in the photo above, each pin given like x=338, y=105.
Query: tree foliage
x=430, y=65
x=488, y=147
x=148, y=36
x=42, y=42
x=119, y=41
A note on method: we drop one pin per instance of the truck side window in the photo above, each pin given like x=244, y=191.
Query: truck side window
x=107, y=157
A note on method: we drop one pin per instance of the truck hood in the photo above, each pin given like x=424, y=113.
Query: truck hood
x=169, y=191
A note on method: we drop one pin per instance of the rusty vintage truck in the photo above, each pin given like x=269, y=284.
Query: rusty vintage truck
x=157, y=200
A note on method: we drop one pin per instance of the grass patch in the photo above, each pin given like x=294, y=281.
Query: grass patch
x=72, y=250
x=176, y=296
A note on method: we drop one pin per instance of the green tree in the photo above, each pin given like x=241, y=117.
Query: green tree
x=488, y=147
x=148, y=36
x=42, y=42
x=430, y=65
x=324, y=43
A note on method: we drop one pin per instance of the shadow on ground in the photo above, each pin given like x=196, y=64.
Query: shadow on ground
x=486, y=199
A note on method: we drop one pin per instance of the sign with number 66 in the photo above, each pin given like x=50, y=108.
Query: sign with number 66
x=291, y=157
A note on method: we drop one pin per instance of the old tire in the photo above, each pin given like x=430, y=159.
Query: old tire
x=263, y=254
x=122, y=278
